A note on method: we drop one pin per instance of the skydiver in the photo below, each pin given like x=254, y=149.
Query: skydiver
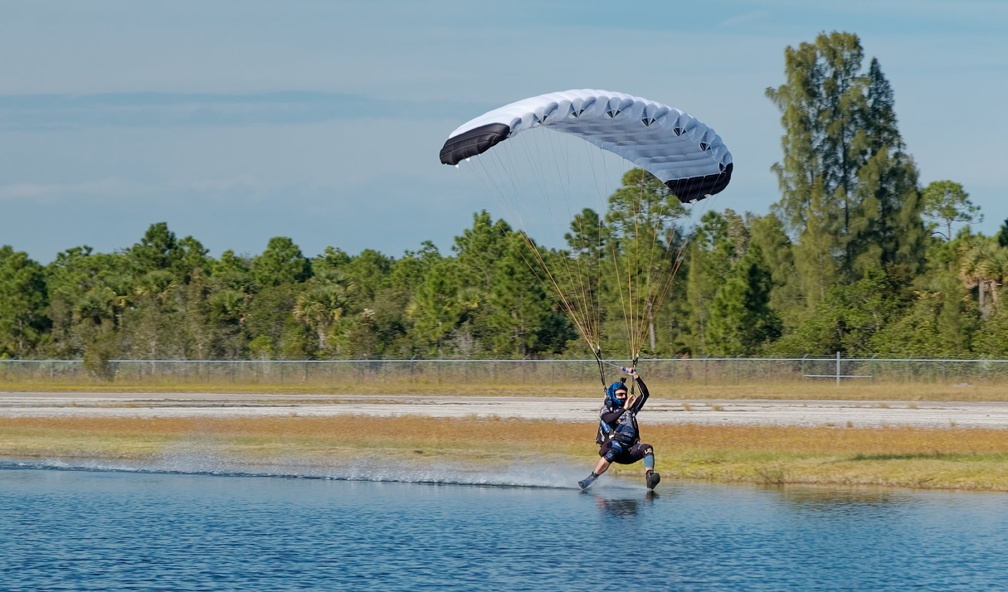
x=618, y=434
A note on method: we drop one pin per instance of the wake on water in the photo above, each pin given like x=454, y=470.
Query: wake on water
x=544, y=475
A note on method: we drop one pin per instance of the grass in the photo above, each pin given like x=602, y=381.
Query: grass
x=950, y=458
x=954, y=459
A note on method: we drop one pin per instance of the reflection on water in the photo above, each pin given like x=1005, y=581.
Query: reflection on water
x=108, y=530
x=811, y=496
x=618, y=507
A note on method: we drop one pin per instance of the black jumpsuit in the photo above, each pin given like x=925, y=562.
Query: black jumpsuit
x=618, y=435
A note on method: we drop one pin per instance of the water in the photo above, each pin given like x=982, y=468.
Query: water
x=147, y=530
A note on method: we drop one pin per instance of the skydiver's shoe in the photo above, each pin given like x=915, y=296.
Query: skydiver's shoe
x=652, y=478
x=587, y=481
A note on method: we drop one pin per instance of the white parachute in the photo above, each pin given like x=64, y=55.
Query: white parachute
x=631, y=249
x=675, y=147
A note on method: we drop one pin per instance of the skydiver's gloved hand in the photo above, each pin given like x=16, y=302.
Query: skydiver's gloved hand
x=630, y=371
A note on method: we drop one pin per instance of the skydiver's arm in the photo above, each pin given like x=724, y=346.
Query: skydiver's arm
x=644, y=394
x=612, y=415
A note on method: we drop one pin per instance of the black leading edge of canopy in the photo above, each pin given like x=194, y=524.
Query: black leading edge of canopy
x=694, y=188
x=475, y=141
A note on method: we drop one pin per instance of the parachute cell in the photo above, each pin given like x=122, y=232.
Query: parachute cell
x=675, y=147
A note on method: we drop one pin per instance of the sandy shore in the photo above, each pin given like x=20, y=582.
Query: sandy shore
x=664, y=411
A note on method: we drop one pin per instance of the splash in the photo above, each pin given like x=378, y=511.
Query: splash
x=556, y=474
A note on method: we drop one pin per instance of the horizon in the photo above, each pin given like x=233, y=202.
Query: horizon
x=237, y=122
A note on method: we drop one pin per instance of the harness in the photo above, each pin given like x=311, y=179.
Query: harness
x=625, y=432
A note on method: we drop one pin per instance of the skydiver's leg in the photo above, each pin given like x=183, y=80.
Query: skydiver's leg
x=601, y=466
x=608, y=453
x=651, y=478
x=647, y=454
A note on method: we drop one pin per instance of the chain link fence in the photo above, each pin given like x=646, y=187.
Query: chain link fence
x=708, y=371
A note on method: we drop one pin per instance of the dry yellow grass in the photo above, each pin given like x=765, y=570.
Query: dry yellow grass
x=965, y=459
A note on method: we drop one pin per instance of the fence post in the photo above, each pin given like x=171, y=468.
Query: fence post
x=838, y=368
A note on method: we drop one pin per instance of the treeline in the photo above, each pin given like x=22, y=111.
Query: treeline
x=165, y=298
x=856, y=257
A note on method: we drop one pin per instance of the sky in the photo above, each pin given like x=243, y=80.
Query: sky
x=235, y=121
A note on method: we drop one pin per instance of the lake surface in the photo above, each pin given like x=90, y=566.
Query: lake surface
x=135, y=528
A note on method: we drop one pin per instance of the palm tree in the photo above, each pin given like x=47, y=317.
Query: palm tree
x=320, y=308
x=984, y=266
x=995, y=269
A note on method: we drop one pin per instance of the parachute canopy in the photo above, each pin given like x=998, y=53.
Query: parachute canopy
x=623, y=250
x=675, y=147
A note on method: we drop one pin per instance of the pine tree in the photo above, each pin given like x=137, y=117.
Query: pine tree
x=889, y=233
x=718, y=243
x=741, y=318
x=522, y=311
x=644, y=243
x=849, y=192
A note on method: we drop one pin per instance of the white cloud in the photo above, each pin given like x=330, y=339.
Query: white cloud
x=108, y=187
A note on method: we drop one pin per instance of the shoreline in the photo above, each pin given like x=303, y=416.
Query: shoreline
x=960, y=446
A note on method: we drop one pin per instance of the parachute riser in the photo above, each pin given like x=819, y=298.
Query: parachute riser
x=598, y=360
x=633, y=368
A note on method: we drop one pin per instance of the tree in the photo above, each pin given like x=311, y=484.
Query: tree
x=588, y=235
x=847, y=319
x=281, y=263
x=522, y=313
x=157, y=250
x=365, y=275
x=1002, y=235
x=984, y=266
x=478, y=250
x=644, y=242
x=741, y=320
x=578, y=274
x=479, y=247
x=279, y=274
x=888, y=232
x=940, y=318
x=192, y=258
x=320, y=307
x=937, y=324
x=989, y=339
x=768, y=233
x=269, y=321
x=390, y=320
x=88, y=295
x=153, y=328
x=720, y=240
x=230, y=293
x=948, y=202
x=848, y=190
x=23, y=299
x=200, y=332
x=820, y=105
x=437, y=308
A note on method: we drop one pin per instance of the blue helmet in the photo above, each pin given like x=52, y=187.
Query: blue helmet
x=619, y=385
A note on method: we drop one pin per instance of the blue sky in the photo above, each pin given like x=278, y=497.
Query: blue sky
x=235, y=121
